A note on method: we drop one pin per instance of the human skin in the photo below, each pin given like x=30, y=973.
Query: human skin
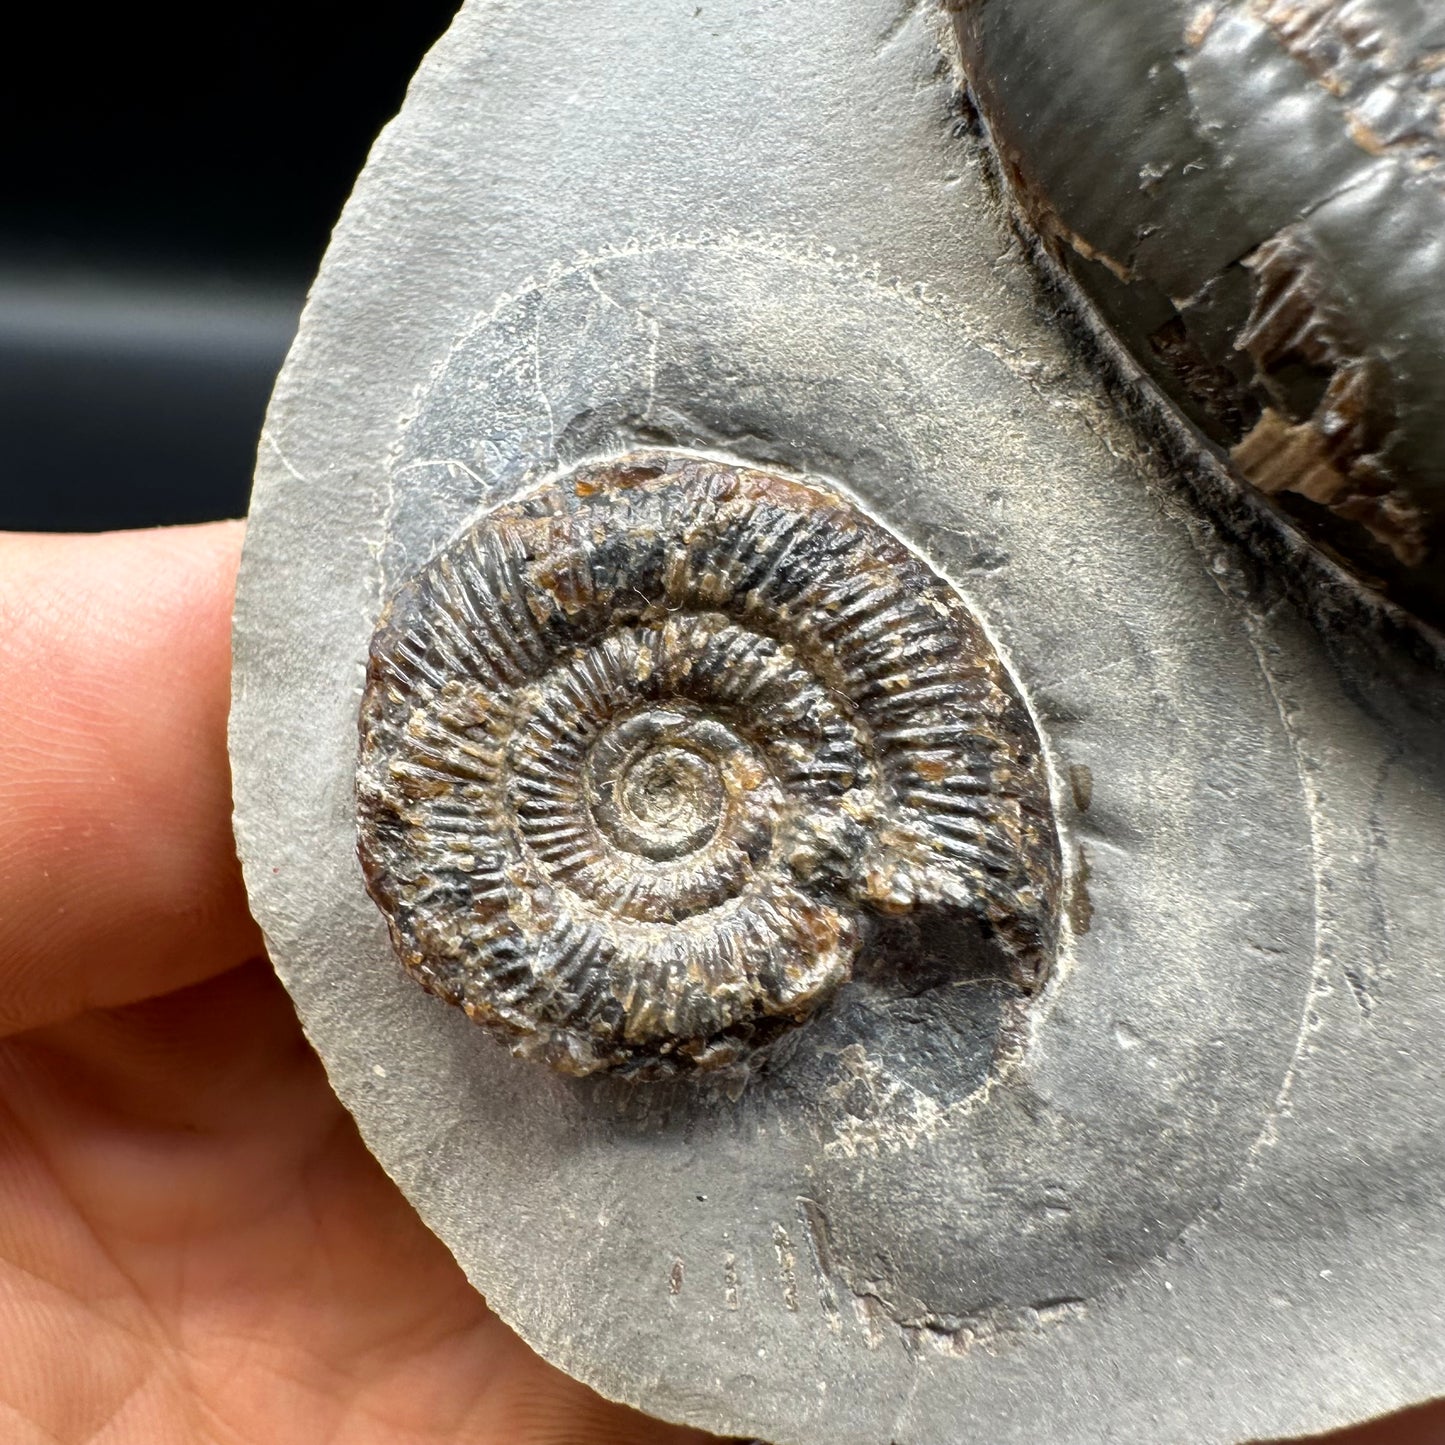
x=195, y=1246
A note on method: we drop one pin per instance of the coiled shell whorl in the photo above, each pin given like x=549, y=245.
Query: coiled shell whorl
x=1249, y=196
x=644, y=752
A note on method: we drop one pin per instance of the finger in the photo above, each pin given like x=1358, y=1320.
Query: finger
x=118, y=877
x=1424, y=1425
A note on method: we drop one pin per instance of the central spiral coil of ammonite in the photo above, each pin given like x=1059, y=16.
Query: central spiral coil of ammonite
x=643, y=751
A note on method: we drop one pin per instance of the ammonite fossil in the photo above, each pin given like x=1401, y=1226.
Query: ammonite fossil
x=1253, y=197
x=644, y=752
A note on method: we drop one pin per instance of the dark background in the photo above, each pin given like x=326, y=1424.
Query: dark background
x=166, y=193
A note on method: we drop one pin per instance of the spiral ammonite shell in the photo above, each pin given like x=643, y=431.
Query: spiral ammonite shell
x=645, y=751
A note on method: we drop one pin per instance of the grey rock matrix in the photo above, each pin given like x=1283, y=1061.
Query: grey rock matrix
x=1191, y=1188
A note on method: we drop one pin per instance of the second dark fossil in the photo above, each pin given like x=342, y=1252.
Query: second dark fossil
x=644, y=754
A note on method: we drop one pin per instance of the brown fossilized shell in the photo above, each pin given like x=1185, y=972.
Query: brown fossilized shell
x=644, y=752
x=1249, y=195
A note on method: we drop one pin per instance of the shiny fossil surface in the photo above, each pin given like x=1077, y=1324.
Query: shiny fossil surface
x=644, y=752
x=1252, y=195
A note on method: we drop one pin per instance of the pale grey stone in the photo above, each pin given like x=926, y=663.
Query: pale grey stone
x=1202, y=1199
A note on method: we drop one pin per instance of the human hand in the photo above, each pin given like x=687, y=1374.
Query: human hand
x=195, y=1246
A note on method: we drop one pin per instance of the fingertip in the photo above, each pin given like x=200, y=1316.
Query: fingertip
x=118, y=877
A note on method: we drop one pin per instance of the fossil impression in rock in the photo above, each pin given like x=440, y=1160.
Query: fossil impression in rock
x=644, y=753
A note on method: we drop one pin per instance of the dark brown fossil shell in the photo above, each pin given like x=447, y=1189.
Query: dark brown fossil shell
x=1251, y=196
x=644, y=751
